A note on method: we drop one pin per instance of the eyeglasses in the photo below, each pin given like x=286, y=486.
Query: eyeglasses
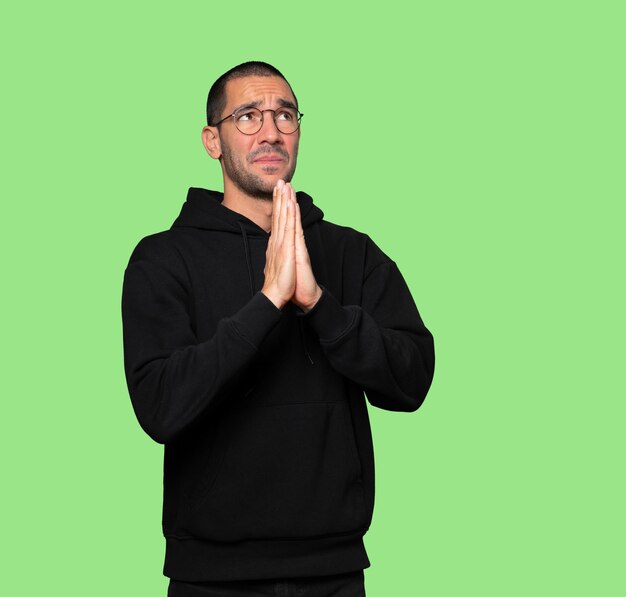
x=250, y=120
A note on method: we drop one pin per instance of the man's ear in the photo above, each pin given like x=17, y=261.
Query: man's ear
x=211, y=141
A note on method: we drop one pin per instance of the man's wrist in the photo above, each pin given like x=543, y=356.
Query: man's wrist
x=318, y=294
x=274, y=298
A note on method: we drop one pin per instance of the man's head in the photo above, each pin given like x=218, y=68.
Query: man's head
x=252, y=163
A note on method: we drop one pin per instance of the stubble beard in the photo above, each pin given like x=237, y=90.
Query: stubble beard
x=252, y=184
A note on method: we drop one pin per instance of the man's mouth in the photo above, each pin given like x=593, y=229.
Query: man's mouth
x=269, y=156
x=269, y=159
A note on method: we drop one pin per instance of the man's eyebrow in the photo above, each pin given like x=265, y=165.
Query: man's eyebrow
x=285, y=103
x=255, y=104
x=282, y=102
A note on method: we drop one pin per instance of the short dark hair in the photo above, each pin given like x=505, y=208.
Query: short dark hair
x=217, y=95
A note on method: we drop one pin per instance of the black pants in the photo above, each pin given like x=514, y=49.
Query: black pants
x=351, y=584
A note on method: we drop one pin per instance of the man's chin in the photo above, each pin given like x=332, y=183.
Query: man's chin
x=269, y=179
x=264, y=189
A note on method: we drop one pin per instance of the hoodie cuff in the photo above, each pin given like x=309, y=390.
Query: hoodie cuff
x=256, y=319
x=328, y=317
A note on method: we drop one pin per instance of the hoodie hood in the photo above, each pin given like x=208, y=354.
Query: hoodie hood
x=204, y=209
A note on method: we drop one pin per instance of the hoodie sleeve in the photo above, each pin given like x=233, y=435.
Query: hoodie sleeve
x=382, y=344
x=172, y=378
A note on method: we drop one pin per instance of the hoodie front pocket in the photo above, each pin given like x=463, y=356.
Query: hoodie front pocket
x=288, y=471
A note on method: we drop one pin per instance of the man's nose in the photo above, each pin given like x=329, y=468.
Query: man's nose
x=269, y=132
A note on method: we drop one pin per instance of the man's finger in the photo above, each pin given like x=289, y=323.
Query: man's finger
x=291, y=219
x=284, y=212
x=279, y=207
x=302, y=253
x=299, y=231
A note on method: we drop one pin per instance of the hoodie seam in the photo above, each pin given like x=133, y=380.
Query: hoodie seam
x=389, y=263
x=182, y=260
x=344, y=332
x=242, y=335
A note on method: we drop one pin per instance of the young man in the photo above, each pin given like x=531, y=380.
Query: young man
x=253, y=330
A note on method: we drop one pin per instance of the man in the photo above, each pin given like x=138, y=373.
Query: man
x=252, y=329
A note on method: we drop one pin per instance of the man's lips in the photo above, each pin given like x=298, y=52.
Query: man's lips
x=269, y=159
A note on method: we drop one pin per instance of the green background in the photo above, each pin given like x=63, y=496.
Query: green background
x=480, y=144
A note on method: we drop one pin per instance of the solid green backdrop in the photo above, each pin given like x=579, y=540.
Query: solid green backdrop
x=480, y=144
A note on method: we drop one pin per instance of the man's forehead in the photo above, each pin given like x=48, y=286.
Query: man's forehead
x=255, y=89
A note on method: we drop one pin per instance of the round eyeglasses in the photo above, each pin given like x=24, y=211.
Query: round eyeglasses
x=250, y=120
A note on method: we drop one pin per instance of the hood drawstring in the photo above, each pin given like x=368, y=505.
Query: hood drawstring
x=246, y=248
x=306, y=352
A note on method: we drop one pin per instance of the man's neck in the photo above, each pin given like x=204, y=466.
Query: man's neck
x=257, y=210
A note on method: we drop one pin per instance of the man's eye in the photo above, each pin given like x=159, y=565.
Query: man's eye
x=246, y=116
x=286, y=115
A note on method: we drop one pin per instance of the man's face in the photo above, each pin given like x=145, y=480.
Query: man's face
x=254, y=163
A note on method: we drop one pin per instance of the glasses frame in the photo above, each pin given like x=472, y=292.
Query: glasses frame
x=300, y=115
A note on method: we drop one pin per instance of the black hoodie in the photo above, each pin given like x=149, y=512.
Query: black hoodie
x=269, y=465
